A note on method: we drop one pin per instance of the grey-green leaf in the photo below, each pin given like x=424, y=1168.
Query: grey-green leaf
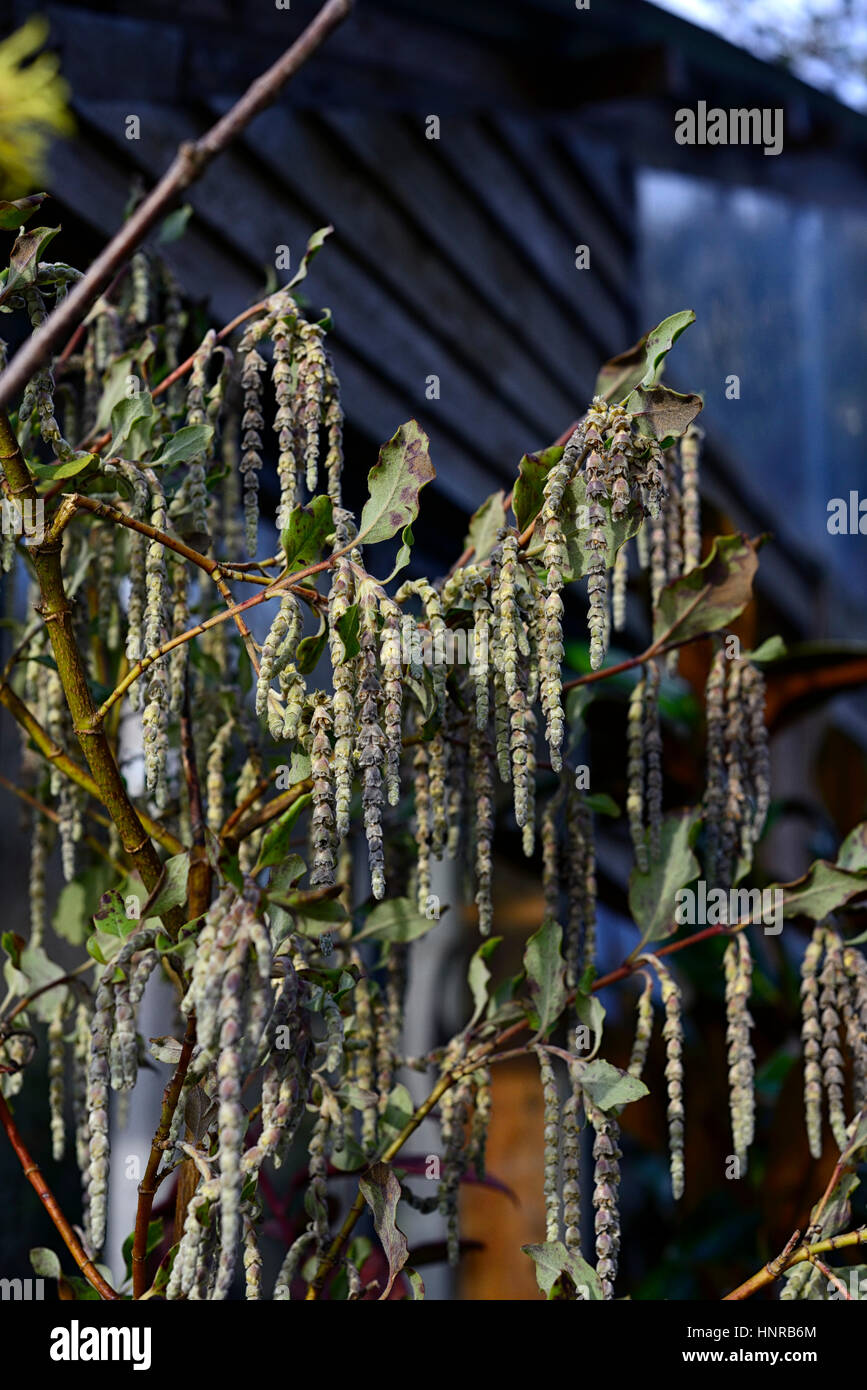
x=545, y=969
x=403, y=469
x=396, y=919
x=652, y=895
x=608, y=1086
x=553, y=1261
x=710, y=596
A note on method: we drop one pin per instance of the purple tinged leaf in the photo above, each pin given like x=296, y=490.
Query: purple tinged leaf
x=381, y=1191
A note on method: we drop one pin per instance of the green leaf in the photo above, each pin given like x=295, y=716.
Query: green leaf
x=347, y=631
x=117, y=381
x=77, y=463
x=30, y=972
x=479, y=976
x=853, y=851
x=710, y=596
x=590, y=1011
x=82, y=1291
x=74, y=911
x=661, y=413
x=45, y=1263
x=381, y=1191
x=132, y=424
x=190, y=442
x=577, y=530
x=529, y=487
x=394, y=483
x=823, y=889
x=652, y=896
x=396, y=919
x=14, y=215
x=774, y=649
x=399, y=1110
x=416, y=1283
x=560, y=1275
x=303, y=539
x=285, y=874
x=315, y=243
x=275, y=846
x=642, y=363
x=171, y=890
x=545, y=976
x=13, y=945
x=403, y=554
x=174, y=226
x=24, y=260
x=608, y=1086
x=602, y=803
x=310, y=649
x=154, y=1238
x=484, y=525
x=112, y=926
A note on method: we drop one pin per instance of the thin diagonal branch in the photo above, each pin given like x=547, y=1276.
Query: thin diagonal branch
x=189, y=163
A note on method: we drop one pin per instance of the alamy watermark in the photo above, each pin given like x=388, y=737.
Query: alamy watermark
x=25, y=518
x=710, y=907
x=738, y=126
x=22, y=1290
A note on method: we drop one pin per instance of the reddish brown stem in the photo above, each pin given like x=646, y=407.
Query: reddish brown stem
x=49, y=1201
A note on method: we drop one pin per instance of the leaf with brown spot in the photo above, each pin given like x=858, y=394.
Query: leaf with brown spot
x=394, y=483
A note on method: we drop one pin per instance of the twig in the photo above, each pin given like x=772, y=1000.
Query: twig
x=148, y=1185
x=189, y=163
x=49, y=1201
x=772, y=1271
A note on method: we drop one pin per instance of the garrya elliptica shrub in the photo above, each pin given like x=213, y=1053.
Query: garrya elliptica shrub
x=382, y=719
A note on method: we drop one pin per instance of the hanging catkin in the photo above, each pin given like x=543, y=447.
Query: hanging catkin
x=738, y=976
x=551, y=1126
x=580, y=944
x=322, y=873
x=606, y=1184
x=556, y=562
x=550, y=836
x=252, y=424
x=653, y=754
x=392, y=692
x=421, y=791
x=672, y=1032
x=643, y=1028
x=690, y=451
x=855, y=1013
x=811, y=1035
x=284, y=419
x=481, y=773
x=715, y=778
x=830, y=983
x=215, y=779
x=333, y=421
x=344, y=677
x=573, y=1115
x=370, y=742
x=56, y=1058
x=310, y=390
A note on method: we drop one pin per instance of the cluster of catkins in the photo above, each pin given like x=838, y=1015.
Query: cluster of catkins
x=283, y=1054
x=833, y=1001
x=737, y=789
